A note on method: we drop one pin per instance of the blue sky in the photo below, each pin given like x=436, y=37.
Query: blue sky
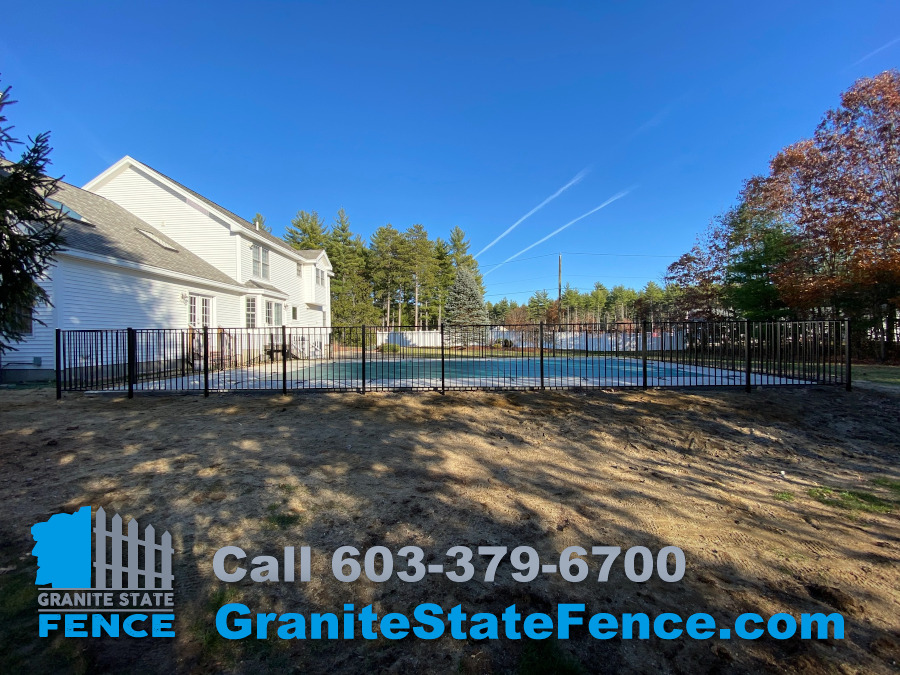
x=466, y=114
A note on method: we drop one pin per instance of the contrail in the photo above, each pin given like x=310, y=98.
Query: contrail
x=871, y=54
x=577, y=179
x=557, y=231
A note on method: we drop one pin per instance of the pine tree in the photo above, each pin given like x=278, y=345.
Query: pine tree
x=351, y=289
x=465, y=301
x=30, y=231
x=539, y=306
x=387, y=261
x=444, y=274
x=459, y=253
x=306, y=231
x=423, y=267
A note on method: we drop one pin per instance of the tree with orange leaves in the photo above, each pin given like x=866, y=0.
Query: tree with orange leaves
x=833, y=202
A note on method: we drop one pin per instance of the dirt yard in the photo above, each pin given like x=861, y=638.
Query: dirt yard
x=783, y=501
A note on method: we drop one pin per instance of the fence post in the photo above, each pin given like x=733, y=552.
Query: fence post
x=542, y=353
x=644, y=353
x=747, y=386
x=131, y=348
x=206, y=361
x=58, y=367
x=284, y=355
x=443, y=369
x=363, y=359
x=847, y=354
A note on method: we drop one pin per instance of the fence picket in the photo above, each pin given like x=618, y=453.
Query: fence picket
x=115, y=565
x=133, y=544
x=100, y=549
x=166, y=551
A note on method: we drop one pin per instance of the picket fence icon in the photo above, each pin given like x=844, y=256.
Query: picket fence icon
x=123, y=560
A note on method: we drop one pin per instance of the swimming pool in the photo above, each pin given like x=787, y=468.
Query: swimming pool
x=393, y=373
x=504, y=373
x=489, y=368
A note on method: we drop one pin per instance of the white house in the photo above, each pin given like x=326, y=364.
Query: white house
x=144, y=251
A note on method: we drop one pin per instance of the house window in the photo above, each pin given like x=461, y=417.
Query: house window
x=24, y=320
x=294, y=313
x=273, y=313
x=251, y=312
x=320, y=277
x=299, y=269
x=199, y=311
x=260, y=261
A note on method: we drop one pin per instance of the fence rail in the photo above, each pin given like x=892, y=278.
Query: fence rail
x=531, y=356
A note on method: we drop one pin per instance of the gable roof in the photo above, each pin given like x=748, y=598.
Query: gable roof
x=107, y=229
x=307, y=254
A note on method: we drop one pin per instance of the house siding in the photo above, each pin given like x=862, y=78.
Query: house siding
x=90, y=295
x=151, y=201
x=209, y=238
x=41, y=344
x=136, y=299
x=283, y=276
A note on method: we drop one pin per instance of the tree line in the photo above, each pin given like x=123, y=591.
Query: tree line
x=599, y=305
x=405, y=278
x=818, y=235
x=397, y=278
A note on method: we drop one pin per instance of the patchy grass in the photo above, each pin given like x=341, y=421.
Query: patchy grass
x=784, y=496
x=281, y=521
x=548, y=470
x=21, y=652
x=851, y=500
x=892, y=485
x=877, y=373
x=214, y=647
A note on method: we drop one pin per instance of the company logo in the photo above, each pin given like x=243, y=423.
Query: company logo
x=132, y=577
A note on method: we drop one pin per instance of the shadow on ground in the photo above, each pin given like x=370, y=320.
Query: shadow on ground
x=724, y=475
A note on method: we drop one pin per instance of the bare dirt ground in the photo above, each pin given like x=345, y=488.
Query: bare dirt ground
x=782, y=500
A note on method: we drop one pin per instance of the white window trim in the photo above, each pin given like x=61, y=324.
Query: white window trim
x=196, y=299
x=247, y=300
x=260, y=261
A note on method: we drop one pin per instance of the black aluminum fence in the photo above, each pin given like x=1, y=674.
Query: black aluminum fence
x=533, y=356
